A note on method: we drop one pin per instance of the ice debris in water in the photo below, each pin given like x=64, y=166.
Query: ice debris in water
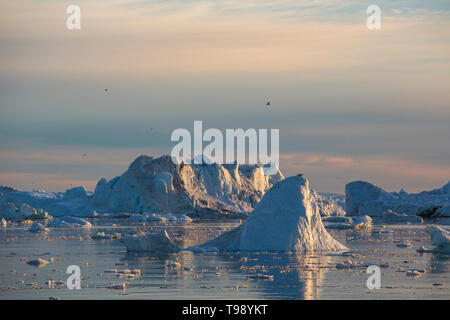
x=106, y=236
x=356, y=223
x=260, y=277
x=38, y=262
x=37, y=227
x=405, y=244
x=69, y=222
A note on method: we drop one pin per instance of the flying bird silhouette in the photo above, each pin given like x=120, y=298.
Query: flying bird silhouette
x=268, y=103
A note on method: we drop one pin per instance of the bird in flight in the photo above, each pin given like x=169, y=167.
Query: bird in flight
x=268, y=103
x=106, y=89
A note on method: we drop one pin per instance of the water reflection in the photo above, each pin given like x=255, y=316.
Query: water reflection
x=439, y=263
x=294, y=276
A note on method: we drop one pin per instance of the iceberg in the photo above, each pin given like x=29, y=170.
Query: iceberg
x=157, y=185
x=364, y=198
x=440, y=238
x=285, y=219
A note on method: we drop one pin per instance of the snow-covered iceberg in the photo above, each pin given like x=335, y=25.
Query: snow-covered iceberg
x=440, y=238
x=286, y=219
x=364, y=198
x=157, y=185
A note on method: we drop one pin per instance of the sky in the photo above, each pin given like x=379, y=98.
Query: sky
x=350, y=103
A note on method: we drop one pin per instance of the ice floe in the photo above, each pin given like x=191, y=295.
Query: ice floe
x=38, y=262
x=69, y=222
x=106, y=236
x=356, y=223
x=37, y=227
x=160, y=217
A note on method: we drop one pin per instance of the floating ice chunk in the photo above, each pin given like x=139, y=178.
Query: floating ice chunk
x=121, y=286
x=423, y=249
x=357, y=223
x=38, y=262
x=440, y=238
x=67, y=222
x=260, y=277
x=37, y=227
x=415, y=272
x=160, y=217
x=173, y=265
x=338, y=219
x=391, y=216
x=106, y=236
x=405, y=244
x=151, y=242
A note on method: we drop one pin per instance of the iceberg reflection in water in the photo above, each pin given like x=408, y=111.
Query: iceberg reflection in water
x=235, y=275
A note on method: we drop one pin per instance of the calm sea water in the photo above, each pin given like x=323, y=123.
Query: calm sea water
x=213, y=275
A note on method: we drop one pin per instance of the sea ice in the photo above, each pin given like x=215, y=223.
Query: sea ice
x=38, y=262
x=69, y=222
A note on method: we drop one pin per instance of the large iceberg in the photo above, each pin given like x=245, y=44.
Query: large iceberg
x=286, y=219
x=157, y=185
x=364, y=198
